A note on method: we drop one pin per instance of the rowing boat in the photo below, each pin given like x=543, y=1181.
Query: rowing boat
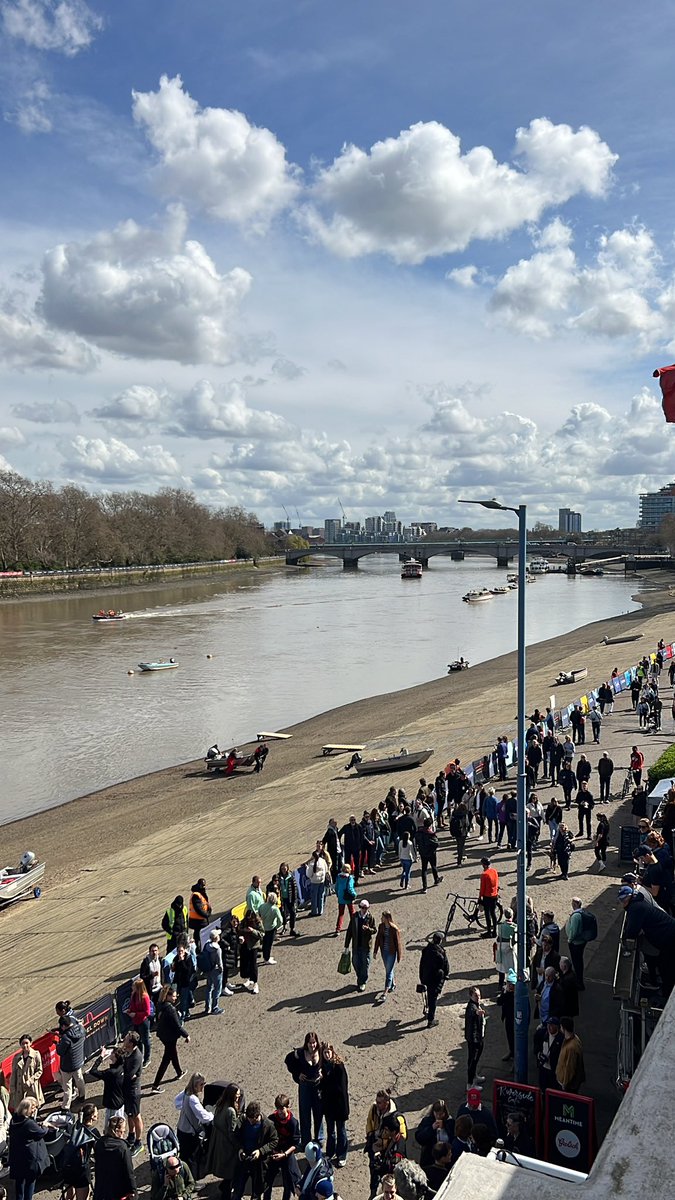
x=159, y=666
x=616, y=641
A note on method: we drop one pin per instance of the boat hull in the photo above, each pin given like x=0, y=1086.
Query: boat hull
x=168, y=666
x=398, y=762
x=617, y=641
x=14, y=886
x=109, y=620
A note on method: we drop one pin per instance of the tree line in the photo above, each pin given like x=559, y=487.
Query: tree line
x=43, y=527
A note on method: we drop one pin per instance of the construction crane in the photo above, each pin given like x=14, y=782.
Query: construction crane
x=344, y=515
x=288, y=519
x=299, y=521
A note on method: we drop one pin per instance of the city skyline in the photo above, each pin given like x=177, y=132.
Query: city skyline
x=303, y=256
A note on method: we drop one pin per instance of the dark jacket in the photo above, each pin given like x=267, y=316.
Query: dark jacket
x=425, y=1136
x=131, y=1075
x=605, y=768
x=583, y=771
x=70, y=1047
x=331, y=842
x=182, y=971
x=297, y=1064
x=474, y=1024
x=169, y=1028
x=335, y=1091
x=480, y=1116
x=113, y=1169
x=434, y=967
x=570, y=991
x=351, y=837
x=229, y=944
x=111, y=1078
x=267, y=1142
x=567, y=779
x=652, y=921
x=427, y=842
x=361, y=932
x=28, y=1156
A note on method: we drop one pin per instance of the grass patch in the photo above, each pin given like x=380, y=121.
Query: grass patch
x=663, y=768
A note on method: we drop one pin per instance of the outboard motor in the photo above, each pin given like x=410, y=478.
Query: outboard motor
x=28, y=861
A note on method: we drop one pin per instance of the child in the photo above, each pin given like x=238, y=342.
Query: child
x=407, y=856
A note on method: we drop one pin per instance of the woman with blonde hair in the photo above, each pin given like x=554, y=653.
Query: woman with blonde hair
x=390, y=943
x=139, y=1010
x=192, y=1122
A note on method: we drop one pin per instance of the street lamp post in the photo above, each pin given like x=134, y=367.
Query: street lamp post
x=522, y=997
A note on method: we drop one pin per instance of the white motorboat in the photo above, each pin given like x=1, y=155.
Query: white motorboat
x=17, y=882
x=502, y=590
x=477, y=596
x=396, y=762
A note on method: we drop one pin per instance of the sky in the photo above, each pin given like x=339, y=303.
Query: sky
x=395, y=254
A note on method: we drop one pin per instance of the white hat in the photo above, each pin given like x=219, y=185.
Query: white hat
x=365, y=904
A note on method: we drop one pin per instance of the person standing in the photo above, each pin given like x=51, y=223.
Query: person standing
x=568, y=783
x=474, y=1034
x=570, y=988
x=183, y=976
x=506, y=936
x=139, y=1010
x=362, y=929
x=352, y=844
x=214, y=974
x=331, y=842
x=28, y=1156
x=283, y=1158
x=175, y=1183
x=547, y=1055
x=150, y=972
x=70, y=1049
x=490, y=814
x=433, y=971
x=223, y=1151
x=570, y=1072
x=488, y=893
x=131, y=1089
x=192, y=1121
x=24, y=1080
x=305, y=1066
x=390, y=943
x=255, y=895
x=561, y=849
x=427, y=844
x=345, y=893
x=257, y=1139
x=335, y=1101
x=250, y=939
x=111, y=1077
x=576, y=939
x=601, y=841
x=175, y=922
x=317, y=872
x=288, y=895
x=502, y=750
x=506, y=1001
x=200, y=911
x=637, y=762
x=270, y=915
x=605, y=771
x=113, y=1169
x=585, y=806
x=406, y=856
x=459, y=828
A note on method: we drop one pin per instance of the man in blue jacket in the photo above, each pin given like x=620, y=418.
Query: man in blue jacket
x=657, y=927
x=70, y=1049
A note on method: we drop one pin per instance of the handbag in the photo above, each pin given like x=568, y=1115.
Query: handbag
x=345, y=964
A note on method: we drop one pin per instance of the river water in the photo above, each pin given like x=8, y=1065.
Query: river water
x=286, y=645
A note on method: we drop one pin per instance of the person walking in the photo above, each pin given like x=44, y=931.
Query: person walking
x=390, y=944
x=28, y=1155
x=345, y=892
x=459, y=829
x=305, y=1067
x=169, y=1030
x=352, y=845
x=561, y=849
x=223, y=1151
x=488, y=893
x=474, y=1035
x=270, y=915
x=434, y=969
x=335, y=1101
x=570, y=1072
x=193, y=1121
x=490, y=814
x=601, y=841
x=26, y=1074
x=576, y=939
x=139, y=1010
x=568, y=783
x=331, y=842
x=317, y=872
x=113, y=1169
x=407, y=856
x=595, y=717
x=362, y=929
x=200, y=910
x=427, y=844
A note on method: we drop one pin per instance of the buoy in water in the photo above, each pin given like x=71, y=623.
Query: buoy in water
x=130, y=672
x=209, y=656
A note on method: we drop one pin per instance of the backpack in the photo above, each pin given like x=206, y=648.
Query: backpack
x=205, y=959
x=589, y=926
x=456, y=826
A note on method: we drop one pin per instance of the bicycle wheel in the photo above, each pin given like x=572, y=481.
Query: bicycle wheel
x=626, y=786
x=478, y=916
x=450, y=919
x=499, y=911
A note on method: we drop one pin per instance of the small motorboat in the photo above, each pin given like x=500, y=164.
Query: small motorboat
x=572, y=676
x=460, y=664
x=396, y=762
x=628, y=637
x=412, y=569
x=111, y=615
x=17, y=883
x=227, y=764
x=477, y=596
x=502, y=590
x=167, y=665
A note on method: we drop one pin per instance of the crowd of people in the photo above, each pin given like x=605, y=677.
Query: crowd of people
x=234, y=1140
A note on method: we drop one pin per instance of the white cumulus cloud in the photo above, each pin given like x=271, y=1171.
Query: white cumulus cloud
x=64, y=26
x=136, y=403
x=28, y=343
x=144, y=293
x=213, y=159
x=417, y=195
x=114, y=460
x=208, y=412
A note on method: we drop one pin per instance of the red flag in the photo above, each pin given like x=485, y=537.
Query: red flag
x=666, y=377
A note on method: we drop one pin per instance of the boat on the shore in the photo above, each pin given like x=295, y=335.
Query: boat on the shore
x=477, y=596
x=17, y=882
x=235, y=759
x=111, y=615
x=166, y=665
x=616, y=641
x=572, y=676
x=396, y=762
x=412, y=569
x=460, y=664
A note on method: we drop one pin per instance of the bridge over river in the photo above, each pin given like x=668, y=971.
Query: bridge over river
x=569, y=554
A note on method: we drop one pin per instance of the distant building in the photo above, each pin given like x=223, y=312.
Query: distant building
x=373, y=524
x=332, y=529
x=569, y=521
x=654, y=506
x=389, y=522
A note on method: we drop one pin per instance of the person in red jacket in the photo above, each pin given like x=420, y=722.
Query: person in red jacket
x=139, y=1011
x=637, y=762
x=487, y=895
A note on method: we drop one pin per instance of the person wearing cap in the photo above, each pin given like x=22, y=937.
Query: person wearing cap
x=549, y=1045
x=506, y=1001
x=176, y=1182
x=655, y=925
x=325, y=1190
x=362, y=929
x=480, y=1113
x=433, y=971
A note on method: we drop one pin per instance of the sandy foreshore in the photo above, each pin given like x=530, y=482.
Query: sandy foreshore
x=116, y=859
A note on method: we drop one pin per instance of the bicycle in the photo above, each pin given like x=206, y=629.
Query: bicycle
x=628, y=784
x=471, y=909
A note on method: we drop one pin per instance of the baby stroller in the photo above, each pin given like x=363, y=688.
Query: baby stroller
x=162, y=1143
x=60, y=1126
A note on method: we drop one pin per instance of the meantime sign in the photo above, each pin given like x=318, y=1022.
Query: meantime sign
x=569, y=1128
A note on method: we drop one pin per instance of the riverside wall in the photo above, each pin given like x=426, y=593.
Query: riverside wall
x=123, y=577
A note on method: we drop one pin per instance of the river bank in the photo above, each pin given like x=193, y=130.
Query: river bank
x=98, y=582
